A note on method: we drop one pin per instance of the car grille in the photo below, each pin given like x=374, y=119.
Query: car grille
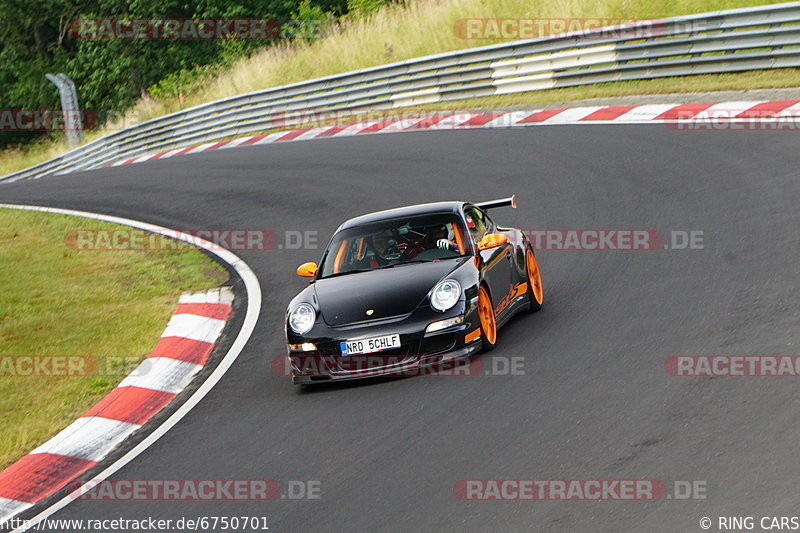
x=438, y=343
x=371, y=322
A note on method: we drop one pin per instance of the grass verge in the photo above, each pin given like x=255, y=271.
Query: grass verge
x=399, y=31
x=60, y=301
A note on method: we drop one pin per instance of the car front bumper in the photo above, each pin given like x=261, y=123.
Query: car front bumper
x=418, y=351
x=422, y=366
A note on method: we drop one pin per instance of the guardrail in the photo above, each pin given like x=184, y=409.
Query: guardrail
x=765, y=37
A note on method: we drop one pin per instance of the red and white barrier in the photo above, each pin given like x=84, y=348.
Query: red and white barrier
x=676, y=115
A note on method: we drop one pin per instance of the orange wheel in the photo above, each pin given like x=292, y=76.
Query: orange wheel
x=486, y=315
x=535, y=287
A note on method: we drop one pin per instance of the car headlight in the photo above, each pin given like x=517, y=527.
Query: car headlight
x=304, y=347
x=444, y=324
x=445, y=295
x=301, y=318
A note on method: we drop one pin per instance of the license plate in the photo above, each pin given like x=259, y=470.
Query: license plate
x=375, y=344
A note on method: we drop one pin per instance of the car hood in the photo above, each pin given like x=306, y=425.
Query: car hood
x=387, y=292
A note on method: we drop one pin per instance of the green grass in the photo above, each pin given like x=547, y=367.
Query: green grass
x=61, y=301
x=399, y=31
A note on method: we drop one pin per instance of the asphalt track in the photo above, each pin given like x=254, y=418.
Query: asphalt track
x=594, y=400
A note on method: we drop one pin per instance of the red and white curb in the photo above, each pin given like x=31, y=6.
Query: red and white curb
x=632, y=114
x=181, y=352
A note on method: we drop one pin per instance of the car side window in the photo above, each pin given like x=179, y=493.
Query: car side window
x=476, y=222
x=490, y=225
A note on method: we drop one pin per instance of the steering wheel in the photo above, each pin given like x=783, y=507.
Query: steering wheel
x=393, y=253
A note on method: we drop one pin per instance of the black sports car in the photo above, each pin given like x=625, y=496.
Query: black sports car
x=403, y=289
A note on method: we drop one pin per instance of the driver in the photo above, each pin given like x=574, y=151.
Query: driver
x=381, y=250
x=443, y=239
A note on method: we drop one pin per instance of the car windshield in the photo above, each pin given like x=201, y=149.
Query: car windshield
x=393, y=242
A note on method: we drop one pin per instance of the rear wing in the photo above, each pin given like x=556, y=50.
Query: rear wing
x=505, y=202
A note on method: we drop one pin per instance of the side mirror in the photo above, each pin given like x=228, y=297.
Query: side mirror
x=307, y=270
x=492, y=240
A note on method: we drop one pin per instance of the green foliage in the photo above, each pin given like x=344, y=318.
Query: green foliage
x=364, y=8
x=37, y=38
x=308, y=22
x=176, y=84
